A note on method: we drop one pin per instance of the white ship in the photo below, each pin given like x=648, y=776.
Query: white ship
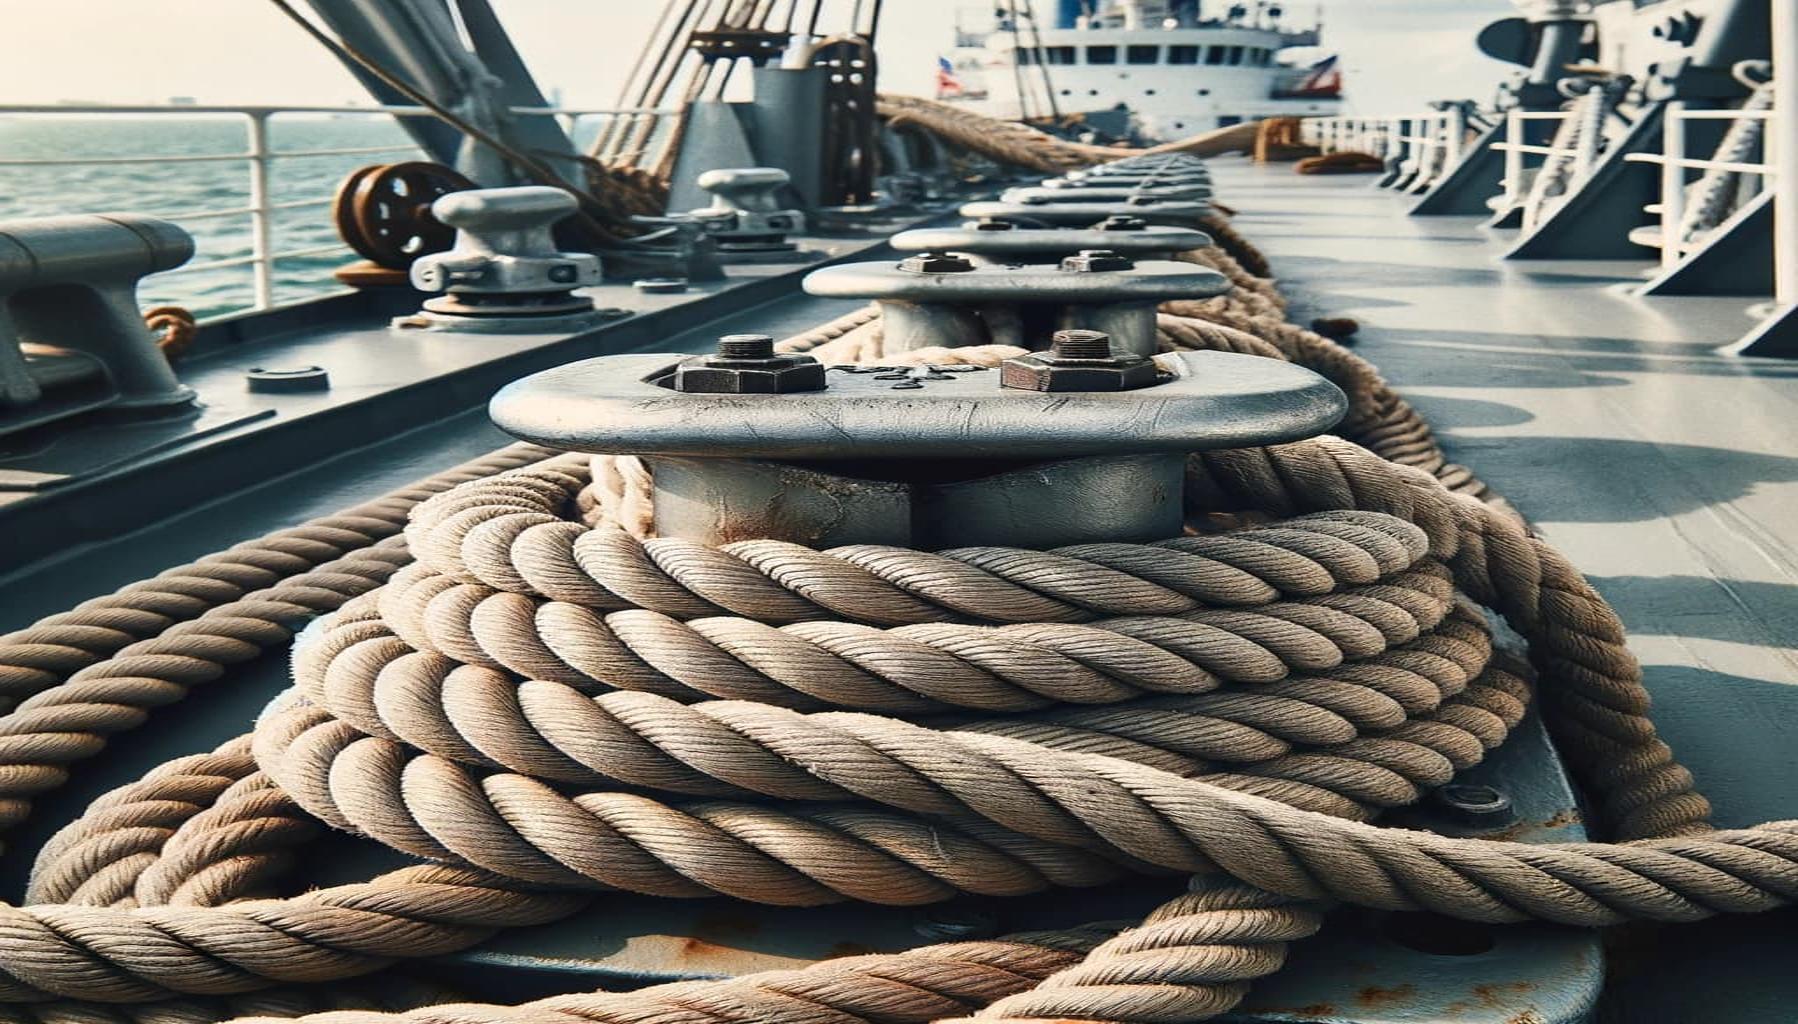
x=1180, y=66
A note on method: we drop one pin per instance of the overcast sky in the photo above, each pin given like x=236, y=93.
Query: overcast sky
x=243, y=51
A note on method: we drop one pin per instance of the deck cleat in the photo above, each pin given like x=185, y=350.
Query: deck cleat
x=748, y=219
x=505, y=274
x=1012, y=304
x=71, y=337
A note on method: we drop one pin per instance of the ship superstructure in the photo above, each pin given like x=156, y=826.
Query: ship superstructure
x=1180, y=66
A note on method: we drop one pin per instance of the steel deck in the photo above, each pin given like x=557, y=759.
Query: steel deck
x=1669, y=474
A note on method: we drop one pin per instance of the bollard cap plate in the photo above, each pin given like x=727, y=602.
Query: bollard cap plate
x=1213, y=400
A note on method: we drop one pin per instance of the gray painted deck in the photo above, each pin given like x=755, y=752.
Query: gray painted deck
x=1669, y=474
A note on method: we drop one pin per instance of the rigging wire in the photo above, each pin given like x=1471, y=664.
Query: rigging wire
x=1040, y=55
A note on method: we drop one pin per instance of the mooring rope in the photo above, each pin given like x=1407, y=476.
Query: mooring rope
x=546, y=704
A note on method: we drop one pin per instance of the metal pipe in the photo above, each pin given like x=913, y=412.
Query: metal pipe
x=1673, y=182
x=1784, y=127
x=263, y=275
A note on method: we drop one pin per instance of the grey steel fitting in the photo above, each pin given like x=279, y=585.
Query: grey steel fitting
x=1079, y=361
x=747, y=214
x=936, y=263
x=1091, y=261
x=746, y=364
x=71, y=283
x=505, y=273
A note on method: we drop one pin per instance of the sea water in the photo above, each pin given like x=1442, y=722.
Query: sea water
x=170, y=190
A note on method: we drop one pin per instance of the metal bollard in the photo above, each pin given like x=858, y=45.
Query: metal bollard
x=69, y=284
x=747, y=216
x=505, y=273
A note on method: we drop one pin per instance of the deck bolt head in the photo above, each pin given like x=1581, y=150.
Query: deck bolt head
x=1474, y=806
x=746, y=364
x=1079, y=361
x=1092, y=261
x=937, y=263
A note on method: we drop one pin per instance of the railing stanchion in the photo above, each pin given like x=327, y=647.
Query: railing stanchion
x=1673, y=183
x=1784, y=128
x=262, y=266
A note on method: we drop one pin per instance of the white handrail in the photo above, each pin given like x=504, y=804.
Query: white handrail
x=1784, y=146
x=258, y=155
x=1425, y=146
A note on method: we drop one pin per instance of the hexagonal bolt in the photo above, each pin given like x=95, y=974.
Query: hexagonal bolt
x=1079, y=361
x=937, y=263
x=1092, y=261
x=746, y=364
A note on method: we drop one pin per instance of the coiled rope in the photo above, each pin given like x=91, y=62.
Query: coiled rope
x=544, y=703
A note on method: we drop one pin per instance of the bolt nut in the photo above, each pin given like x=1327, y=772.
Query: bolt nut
x=1080, y=361
x=1092, y=261
x=746, y=364
x=1123, y=222
x=1473, y=806
x=937, y=263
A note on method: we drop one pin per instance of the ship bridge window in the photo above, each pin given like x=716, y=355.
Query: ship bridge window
x=1183, y=54
x=1261, y=56
x=1025, y=58
x=1214, y=55
x=1059, y=55
x=1143, y=54
x=1235, y=55
x=1101, y=55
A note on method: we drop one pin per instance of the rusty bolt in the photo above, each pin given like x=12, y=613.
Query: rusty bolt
x=746, y=364
x=937, y=263
x=1123, y=222
x=1079, y=361
x=1473, y=806
x=1091, y=261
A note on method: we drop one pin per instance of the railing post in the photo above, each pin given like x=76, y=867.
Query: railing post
x=1673, y=182
x=261, y=267
x=1784, y=146
x=1514, y=137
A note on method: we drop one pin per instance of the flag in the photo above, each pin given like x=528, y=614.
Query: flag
x=1324, y=79
x=947, y=84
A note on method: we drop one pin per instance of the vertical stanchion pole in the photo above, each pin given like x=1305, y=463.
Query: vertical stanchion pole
x=260, y=245
x=1673, y=182
x=1784, y=125
x=1513, y=156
